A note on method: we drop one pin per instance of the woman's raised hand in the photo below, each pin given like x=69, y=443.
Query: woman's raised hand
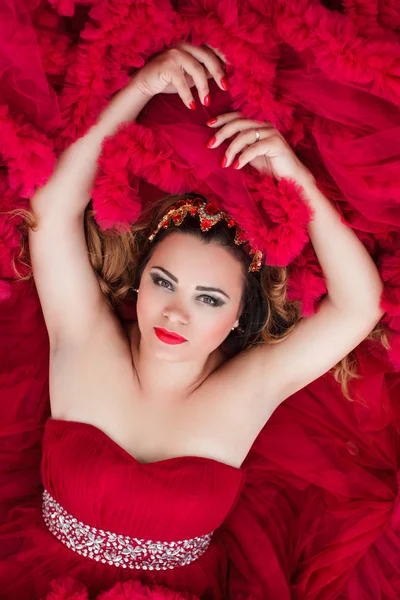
x=178, y=69
x=258, y=144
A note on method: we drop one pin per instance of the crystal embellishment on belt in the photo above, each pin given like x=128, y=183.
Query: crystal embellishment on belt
x=119, y=550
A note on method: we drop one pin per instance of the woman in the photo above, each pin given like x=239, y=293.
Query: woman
x=151, y=422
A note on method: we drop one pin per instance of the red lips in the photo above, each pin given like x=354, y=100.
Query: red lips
x=168, y=337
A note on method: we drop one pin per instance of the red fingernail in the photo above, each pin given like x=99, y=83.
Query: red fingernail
x=192, y=105
x=235, y=164
x=223, y=162
x=211, y=122
x=225, y=83
x=211, y=141
x=207, y=100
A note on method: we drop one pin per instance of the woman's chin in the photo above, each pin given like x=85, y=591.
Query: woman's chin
x=169, y=352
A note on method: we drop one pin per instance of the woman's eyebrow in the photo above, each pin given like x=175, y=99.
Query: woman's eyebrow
x=200, y=288
x=166, y=273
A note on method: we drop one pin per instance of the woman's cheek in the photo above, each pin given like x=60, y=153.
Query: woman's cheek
x=215, y=333
x=146, y=311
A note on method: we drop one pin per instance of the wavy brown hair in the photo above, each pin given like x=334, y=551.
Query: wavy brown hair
x=119, y=260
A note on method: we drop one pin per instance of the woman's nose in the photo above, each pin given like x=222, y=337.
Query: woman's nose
x=176, y=313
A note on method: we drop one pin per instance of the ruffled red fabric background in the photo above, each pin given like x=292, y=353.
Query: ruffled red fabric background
x=323, y=475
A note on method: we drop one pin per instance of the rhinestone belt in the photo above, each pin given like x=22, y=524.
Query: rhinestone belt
x=119, y=550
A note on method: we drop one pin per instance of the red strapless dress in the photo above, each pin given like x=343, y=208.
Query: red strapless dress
x=101, y=509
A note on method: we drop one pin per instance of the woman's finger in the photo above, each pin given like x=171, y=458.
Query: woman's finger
x=178, y=80
x=271, y=147
x=242, y=140
x=211, y=62
x=195, y=69
x=218, y=53
x=234, y=125
x=223, y=119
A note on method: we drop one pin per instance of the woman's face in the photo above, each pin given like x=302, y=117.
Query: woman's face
x=192, y=289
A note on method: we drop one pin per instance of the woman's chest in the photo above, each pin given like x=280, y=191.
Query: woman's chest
x=99, y=386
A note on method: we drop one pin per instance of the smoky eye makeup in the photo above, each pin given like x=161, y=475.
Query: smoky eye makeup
x=164, y=283
x=215, y=301
x=160, y=281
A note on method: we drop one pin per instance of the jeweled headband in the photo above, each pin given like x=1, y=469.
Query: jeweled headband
x=208, y=215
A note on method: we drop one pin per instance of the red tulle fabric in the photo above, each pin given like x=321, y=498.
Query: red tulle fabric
x=318, y=516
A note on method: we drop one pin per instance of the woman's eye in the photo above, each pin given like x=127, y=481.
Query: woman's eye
x=161, y=282
x=212, y=301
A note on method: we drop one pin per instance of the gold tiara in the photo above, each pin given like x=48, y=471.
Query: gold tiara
x=208, y=215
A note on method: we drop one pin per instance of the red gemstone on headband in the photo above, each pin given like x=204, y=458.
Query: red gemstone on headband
x=231, y=223
x=205, y=224
x=211, y=210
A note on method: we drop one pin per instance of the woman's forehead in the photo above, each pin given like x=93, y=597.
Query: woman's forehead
x=190, y=256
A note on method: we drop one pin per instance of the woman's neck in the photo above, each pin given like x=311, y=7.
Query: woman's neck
x=169, y=381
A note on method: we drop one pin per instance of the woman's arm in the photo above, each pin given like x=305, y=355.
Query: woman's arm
x=67, y=192
x=72, y=302
x=352, y=279
x=174, y=71
x=73, y=305
x=349, y=311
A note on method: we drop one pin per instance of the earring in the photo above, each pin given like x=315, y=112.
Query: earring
x=134, y=289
